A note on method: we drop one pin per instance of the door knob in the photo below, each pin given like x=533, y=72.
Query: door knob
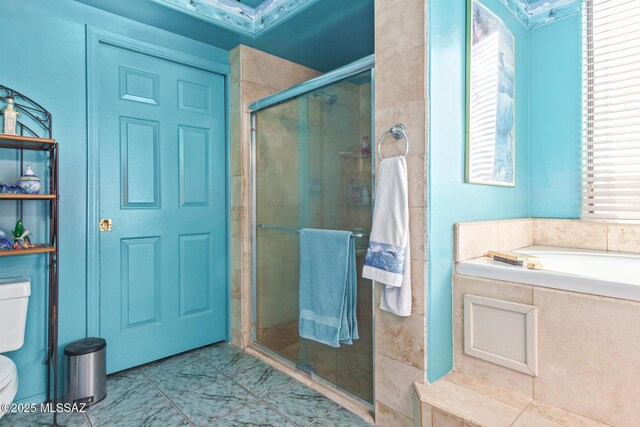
x=105, y=224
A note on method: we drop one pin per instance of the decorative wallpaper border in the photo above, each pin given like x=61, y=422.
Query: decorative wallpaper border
x=539, y=12
x=237, y=16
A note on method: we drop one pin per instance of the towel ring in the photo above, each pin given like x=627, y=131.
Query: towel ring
x=398, y=132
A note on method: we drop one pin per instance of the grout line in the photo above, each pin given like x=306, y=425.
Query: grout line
x=127, y=371
x=204, y=360
x=345, y=401
x=222, y=417
x=326, y=415
x=272, y=407
x=257, y=396
x=111, y=419
x=168, y=399
x=521, y=413
x=211, y=365
x=257, y=400
x=87, y=421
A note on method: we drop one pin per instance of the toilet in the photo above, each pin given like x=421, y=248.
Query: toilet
x=14, y=299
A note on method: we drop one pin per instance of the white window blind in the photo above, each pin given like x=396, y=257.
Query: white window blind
x=611, y=110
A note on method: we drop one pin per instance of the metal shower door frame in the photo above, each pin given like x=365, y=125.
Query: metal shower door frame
x=305, y=88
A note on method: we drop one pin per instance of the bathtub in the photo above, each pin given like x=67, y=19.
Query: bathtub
x=609, y=274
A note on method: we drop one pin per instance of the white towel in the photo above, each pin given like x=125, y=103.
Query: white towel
x=388, y=259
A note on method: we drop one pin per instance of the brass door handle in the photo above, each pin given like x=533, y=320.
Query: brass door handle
x=105, y=224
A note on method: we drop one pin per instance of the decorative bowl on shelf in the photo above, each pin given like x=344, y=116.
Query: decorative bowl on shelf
x=29, y=182
x=10, y=189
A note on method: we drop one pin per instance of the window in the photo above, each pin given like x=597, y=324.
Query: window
x=611, y=110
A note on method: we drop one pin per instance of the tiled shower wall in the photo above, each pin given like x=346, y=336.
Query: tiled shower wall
x=401, y=97
x=254, y=76
x=277, y=147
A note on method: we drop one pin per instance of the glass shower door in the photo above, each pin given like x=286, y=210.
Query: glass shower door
x=313, y=169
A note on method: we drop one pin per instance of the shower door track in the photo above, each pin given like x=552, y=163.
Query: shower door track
x=310, y=374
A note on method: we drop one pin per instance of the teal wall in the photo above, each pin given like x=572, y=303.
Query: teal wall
x=556, y=118
x=326, y=35
x=548, y=138
x=44, y=56
x=450, y=199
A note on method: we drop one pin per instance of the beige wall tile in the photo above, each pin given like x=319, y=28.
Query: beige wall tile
x=387, y=417
x=394, y=384
x=515, y=234
x=570, y=234
x=236, y=283
x=235, y=251
x=235, y=164
x=418, y=286
x=252, y=92
x=381, y=5
x=401, y=338
x=269, y=159
x=236, y=322
x=624, y=238
x=503, y=377
x=239, y=184
x=589, y=361
x=418, y=230
x=401, y=97
x=269, y=70
x=401, y=78
x=417, y=178
x=405, y=21
x=413, y=115
x=474, y=239
x=540, y=415
x=234, y=64
x=238, y=217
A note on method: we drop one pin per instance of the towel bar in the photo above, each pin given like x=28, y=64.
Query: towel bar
x=297, y=230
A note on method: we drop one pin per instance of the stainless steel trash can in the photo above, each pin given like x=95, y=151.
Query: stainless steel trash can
x=86, y=371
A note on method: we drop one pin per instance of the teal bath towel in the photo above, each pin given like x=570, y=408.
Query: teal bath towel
x=328, y=287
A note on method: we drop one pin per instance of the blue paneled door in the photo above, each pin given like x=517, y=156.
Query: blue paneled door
x=162, y=183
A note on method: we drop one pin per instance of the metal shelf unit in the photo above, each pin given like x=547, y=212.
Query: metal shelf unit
x=35, y=116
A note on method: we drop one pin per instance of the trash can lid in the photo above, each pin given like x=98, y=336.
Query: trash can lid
x=85, y=346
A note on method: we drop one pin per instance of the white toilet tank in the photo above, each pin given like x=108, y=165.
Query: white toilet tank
x=14, y=300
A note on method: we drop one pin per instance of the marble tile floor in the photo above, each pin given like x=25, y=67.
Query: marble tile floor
x=216, y=385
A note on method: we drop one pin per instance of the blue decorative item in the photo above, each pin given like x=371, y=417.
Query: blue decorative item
x=5, y=245
x=10, y=189
x=29, y=182
x=2, y=234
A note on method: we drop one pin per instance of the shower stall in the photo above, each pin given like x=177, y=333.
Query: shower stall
x=312, y=167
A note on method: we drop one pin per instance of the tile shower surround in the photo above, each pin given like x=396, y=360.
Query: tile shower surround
x=401, y=96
